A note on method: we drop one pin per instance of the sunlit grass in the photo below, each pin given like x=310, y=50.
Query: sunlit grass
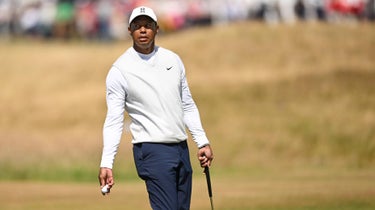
x=269, y=97
x=290, y=112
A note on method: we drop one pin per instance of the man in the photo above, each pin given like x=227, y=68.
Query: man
x=149, y=83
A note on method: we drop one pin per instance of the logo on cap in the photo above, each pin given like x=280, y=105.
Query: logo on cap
x=142, y=10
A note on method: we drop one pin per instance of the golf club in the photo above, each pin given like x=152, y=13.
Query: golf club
x=208, y=179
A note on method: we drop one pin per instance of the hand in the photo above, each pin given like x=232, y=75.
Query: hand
x=106, y=178
x=205, y=156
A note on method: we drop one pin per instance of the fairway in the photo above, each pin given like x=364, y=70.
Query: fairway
x=290, y=112
x=298, y=192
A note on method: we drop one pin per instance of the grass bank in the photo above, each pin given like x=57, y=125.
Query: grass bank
x=271, y=98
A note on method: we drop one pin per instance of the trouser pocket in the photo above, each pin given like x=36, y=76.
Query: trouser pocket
x=139, y=161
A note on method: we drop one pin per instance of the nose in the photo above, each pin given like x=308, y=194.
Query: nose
x=143, y=29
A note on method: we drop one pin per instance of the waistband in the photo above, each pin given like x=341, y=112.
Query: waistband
x=182, y=143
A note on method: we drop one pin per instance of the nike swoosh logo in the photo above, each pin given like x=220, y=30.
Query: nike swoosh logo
x=169, y=68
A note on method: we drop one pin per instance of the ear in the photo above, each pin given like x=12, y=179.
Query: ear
x=157, y=29
x=130, y=31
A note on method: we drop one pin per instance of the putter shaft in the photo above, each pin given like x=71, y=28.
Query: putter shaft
x=208, y=179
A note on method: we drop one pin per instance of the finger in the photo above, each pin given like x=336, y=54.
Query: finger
x=203, y=159
x=204, y=163
x=110, y=181
x=110, y=184
x=209, y=163
x=101, y=180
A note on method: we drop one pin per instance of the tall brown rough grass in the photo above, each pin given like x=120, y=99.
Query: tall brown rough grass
x=270, y=97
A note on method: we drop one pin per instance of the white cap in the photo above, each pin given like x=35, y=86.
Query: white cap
x=142, y=10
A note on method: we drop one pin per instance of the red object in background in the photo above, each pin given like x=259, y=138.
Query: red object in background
x=355, y=7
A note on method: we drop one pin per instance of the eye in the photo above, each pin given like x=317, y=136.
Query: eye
x=136, y=26
x=149, y=25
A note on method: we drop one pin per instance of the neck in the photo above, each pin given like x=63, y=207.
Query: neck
x=144, y=49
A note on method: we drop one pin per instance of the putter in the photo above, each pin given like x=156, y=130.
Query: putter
x=208, y=179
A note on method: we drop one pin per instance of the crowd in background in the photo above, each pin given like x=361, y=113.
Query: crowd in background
x=107, y=19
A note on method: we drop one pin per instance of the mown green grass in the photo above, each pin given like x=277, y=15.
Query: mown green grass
x=273, y=191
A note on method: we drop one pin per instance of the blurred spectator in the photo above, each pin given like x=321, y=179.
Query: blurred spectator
x=107, y=19
x=118, y=22
x=198, y=13
x=300, y=9
x=370, y=10
x=315, y=9
x=47, y=17
x=65, y=19
x=272, y=15
x=104, y=10
x=173, y=15
x=86, y=19
x=257, y=10
x=287, y=11
x=30, y=20
x=5, y=16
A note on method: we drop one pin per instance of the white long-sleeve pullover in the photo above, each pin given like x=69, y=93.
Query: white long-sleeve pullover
x=153, y=90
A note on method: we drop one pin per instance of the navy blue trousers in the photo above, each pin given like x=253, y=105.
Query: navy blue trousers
x=167, y=172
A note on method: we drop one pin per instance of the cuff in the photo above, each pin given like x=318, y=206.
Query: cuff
x=106, y=164
x=202, y=141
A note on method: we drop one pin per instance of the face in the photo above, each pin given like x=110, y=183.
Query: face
x=143, y=31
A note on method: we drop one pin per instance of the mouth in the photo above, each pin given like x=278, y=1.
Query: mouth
x=143, y=39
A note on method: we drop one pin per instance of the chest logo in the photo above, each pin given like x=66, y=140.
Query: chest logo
x=169, y=68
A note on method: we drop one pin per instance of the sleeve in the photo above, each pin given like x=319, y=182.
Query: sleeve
x=191, y=113
x=114, y=121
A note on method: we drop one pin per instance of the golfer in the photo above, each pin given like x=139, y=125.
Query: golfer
x=149, y=83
